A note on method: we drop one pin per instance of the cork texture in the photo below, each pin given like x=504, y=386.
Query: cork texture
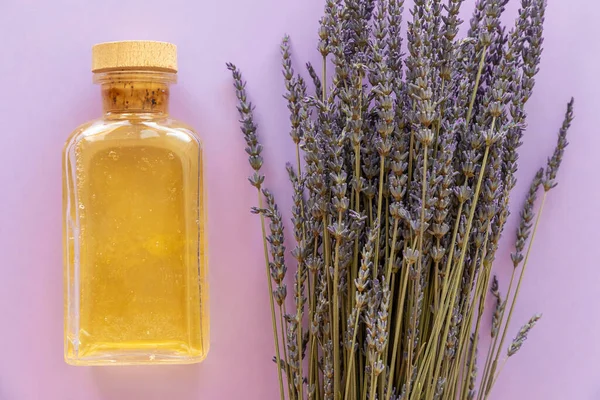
x=134, y=54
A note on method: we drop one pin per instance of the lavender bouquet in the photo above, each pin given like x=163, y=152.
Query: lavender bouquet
x=401, y=185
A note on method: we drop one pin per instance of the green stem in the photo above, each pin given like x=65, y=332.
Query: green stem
x=336, y=322
x=410, y=149
x=512, y=306
x=419, y=262
x=390, y=266
x=389, y=325
x=357, y=209
x=495, y=378
x=298, y=160
x=327, y=257
x=271, y=301
x=452, y=299
x=379, y=204
x=365, y=386
x=299, y=337
x=351, y=356
x=423, y=206
x=316, y=369
x=324, y=78
x=386, y=232
x=477, y=79
x=436, y=278
x=390, y=281
x=373, y=382
x=466, y=309
x=427, y=294
x=494, y=343
x=361, y=367
x=397, y=328
x=410, y=154
x=471, y=360
x=283, y=328
x=431, y=349
x=311, y=369
x=481, y=292
x=311, y=302
x=439, y=124
x=413, y=322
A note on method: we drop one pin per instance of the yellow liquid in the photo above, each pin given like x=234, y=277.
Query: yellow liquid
x=135, y=273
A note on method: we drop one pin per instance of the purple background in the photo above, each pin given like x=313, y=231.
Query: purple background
x=44, y=70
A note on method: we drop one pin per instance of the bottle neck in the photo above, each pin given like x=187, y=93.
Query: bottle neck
x=144, y=93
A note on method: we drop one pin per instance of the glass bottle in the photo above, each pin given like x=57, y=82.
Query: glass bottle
x=134, y=219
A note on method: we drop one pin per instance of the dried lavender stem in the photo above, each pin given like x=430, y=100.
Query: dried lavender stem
x=493, y=343
x=410, y=346
x=299, y=344
x=461, y=261
x=514, y=300
x=310, y=334
x=386, y=232
x=324, y=79
x=350, y=371
x=356, y=193
x=391, y=277
x=481, y=293
x=298, y=160
x=470, y=363
x=313, y=368
x=496, y=377
x=445, y=287
x=344, y=356
x=410, y=154
x=477, y=79
x=436, y=297
x=445, y=373
x=410, y=150
x=423, y=205
x=425, y=320
x=388, y=273
x=283, y=328
x=379, y=204
x=467, y=309
x=373, y=382
x=439, y=122
x=362, y=383
x=314, y=360
x=420, y=260
x=413, y=323
x=326, y=245
x=357, y=209
x=399, y=315
x=271, y=300
x=389, y=327
x=365, y=387
x=336, y=322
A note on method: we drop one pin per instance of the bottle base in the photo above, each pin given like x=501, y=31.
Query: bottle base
x=101, y=357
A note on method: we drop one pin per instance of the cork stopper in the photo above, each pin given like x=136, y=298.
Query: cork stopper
x=134, y=54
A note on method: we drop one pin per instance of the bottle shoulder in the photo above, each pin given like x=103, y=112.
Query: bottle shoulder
x=129, y=130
